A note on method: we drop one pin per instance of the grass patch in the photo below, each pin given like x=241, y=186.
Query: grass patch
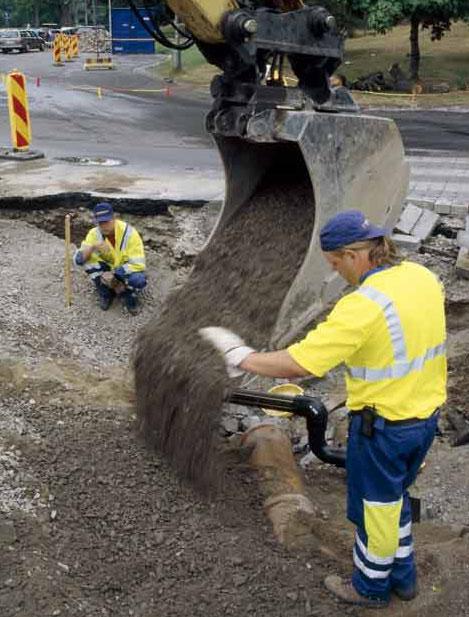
x=446, y=60
x=194, y=68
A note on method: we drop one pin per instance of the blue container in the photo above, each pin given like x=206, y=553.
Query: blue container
x=128, y=34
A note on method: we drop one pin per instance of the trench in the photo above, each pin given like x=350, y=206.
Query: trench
x=175, y=230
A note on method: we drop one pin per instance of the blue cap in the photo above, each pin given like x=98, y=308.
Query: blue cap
x=103, y=212
x=346, y=228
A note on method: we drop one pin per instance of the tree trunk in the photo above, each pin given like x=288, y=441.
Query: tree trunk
x=65, y=13
x=414, y=65
x=36, y=15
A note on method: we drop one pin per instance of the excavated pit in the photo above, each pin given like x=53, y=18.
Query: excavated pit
x=239, y=282
x=74, y=201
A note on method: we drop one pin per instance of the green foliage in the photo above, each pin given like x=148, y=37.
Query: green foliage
x=61, y=12
x=433, y=14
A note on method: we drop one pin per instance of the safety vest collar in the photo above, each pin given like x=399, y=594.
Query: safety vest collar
x=373, y=271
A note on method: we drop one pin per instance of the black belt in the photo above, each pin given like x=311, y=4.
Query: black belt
x=369, y=416
x=359, y=412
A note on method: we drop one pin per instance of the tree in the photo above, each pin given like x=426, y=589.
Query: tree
x=434, y=15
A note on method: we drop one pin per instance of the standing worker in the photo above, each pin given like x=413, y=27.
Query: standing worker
x=390, y=334
x=113, y=256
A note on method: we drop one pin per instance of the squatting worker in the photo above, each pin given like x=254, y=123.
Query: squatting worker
x=113, y=256
x=390, y=334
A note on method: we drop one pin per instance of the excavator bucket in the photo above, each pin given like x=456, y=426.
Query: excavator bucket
x=348, y=160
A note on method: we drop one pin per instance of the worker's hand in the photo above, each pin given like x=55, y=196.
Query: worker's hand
x=230, y=345
x=108, y=279
x=102, y=248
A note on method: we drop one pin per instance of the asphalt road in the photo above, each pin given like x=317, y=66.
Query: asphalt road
x=441, y=130
x=182, y=113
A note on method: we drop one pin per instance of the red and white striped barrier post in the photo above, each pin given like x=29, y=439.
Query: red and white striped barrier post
x=74, y=46
x=68, y=48
x=20, y=123
x=57, y=51
x=18, y=108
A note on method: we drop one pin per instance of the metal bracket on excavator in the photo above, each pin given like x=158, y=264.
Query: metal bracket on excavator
x=351, y=161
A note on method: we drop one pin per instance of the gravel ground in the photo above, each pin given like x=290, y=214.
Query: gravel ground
x=93, y=524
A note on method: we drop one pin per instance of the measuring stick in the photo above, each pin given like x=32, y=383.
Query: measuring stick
x=68, y=263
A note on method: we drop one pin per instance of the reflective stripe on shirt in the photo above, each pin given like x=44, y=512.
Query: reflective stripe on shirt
x=126, y=237
x=401, y=366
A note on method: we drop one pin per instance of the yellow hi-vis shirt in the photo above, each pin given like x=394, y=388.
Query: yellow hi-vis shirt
x=391, y=334
x=128, y=251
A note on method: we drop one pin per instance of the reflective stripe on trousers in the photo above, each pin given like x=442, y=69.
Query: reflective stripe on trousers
x=379, y=471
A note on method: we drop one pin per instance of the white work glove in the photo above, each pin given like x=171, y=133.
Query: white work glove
x=232, y=347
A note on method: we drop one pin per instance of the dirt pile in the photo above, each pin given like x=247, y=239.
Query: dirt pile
x=239, y=282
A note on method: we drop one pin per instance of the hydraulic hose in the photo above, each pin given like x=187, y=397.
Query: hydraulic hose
x=157, y=33
x=308, y=407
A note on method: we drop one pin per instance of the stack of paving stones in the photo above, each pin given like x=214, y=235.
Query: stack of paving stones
x=95, y=41
x=421, y=219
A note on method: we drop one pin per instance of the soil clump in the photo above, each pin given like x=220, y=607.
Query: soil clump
x=239, y=282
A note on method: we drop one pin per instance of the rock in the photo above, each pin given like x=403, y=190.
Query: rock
x=248, y=422
x=230, y=425
x=7, y=533
x=462, y=263
x=159, y=538
x=239, y=580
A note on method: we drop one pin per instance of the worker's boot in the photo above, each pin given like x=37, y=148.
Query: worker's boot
x=106, y=296
x=131, y=302
x=345, y=591
x=406, y=594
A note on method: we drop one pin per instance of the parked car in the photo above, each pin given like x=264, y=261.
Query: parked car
x=20, y=40
x=38, y=40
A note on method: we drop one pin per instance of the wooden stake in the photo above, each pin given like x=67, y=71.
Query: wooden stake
x=68, y=263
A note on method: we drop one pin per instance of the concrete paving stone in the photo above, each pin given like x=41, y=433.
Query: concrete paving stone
x=463, y=239
x=408, y=219
x=455, y=175
x=407, y=242
x=442, y=206
x=428, y=204
x=462, y=263
x=425, y=225
x=459, y=209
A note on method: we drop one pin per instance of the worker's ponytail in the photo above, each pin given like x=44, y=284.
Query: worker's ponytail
x=382, y=251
